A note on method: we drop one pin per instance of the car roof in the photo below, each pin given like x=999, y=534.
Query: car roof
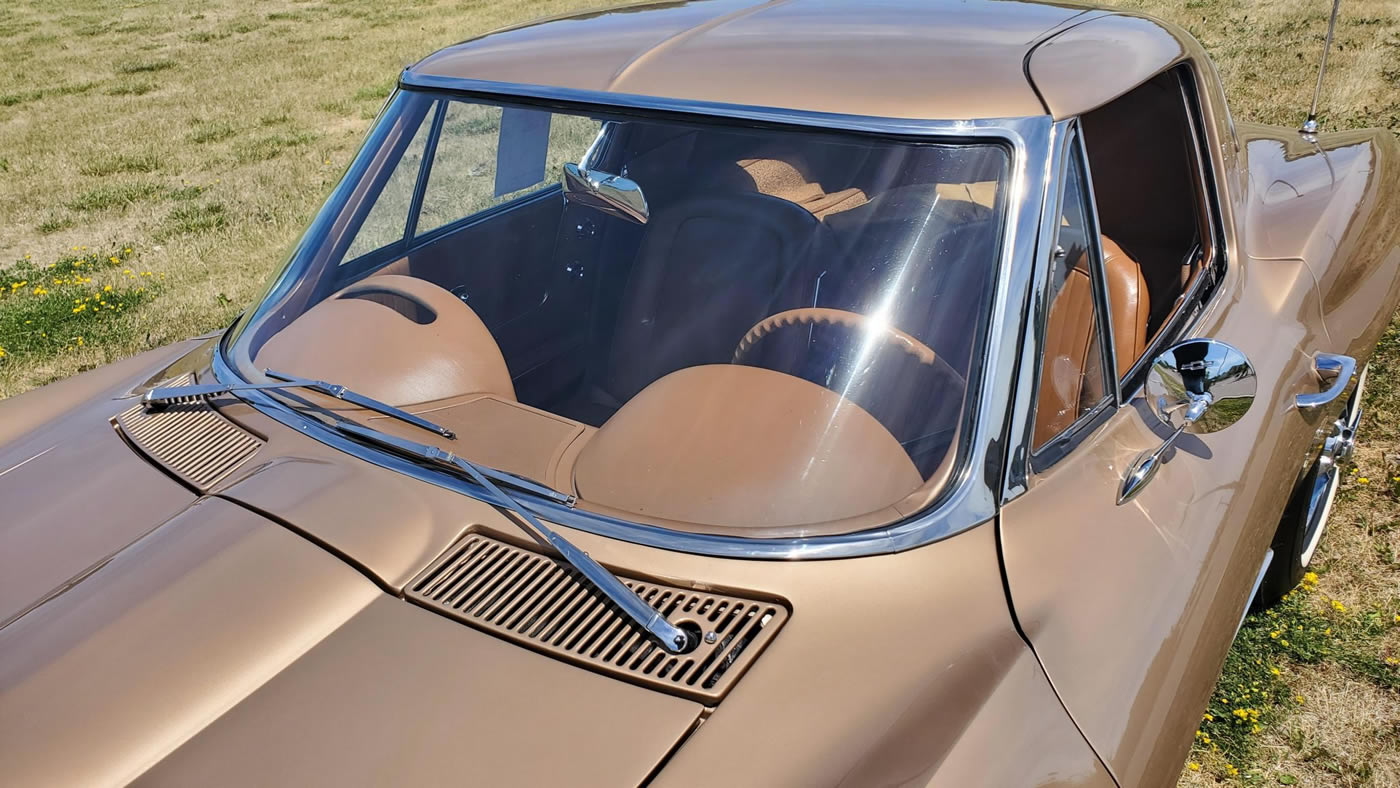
x=924, y=59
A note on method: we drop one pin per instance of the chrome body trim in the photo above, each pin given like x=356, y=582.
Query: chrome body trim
x=1254, y=592
x=973, y=495
x=1033, y=315
x=1110, y=349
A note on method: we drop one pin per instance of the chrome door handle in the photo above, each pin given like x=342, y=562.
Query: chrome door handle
x=1328, y=365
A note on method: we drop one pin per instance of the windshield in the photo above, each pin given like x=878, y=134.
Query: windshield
x=708, y=326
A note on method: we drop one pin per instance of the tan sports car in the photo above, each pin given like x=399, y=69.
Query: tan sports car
x=719, y=393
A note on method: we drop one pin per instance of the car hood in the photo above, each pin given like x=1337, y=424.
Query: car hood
x=222, y=638
x=260, y=630
x=70, y=495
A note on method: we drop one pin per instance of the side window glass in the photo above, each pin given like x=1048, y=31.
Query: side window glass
x=488, y=155
x=1072, y=379
x=1153, y=209
x=388, y=218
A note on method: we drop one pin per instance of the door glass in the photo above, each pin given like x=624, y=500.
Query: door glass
x=1072, y=380
x=387, y=219
x=488, y=155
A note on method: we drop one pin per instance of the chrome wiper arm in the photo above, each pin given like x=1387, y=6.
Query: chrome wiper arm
x=672, y=638
x=158, y=397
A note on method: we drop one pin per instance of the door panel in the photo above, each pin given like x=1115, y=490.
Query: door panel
x=1131, y=608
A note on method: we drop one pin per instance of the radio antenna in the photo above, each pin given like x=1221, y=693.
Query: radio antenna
x=1310, y=125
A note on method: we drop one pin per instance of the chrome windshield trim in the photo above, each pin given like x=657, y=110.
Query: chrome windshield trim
x=973, y=496
x=507, y=91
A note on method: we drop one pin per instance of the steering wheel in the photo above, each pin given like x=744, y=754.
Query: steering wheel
x=811, y=316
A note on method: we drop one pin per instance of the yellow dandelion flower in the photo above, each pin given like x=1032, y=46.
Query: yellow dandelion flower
x=1283, y=642
x=1363, y=480
x=1338, y=606
x=1208, y=717
x=1231, y=770
x=1274, y=671
x=2, y=352
x=1392, y=661
x=127, y=250
x=1299, y=699
x=107, y=289
x=1275, y=634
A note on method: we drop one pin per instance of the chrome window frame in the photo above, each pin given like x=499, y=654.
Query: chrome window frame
x=971, y=498
x=1061, y=444
x=1203, y=293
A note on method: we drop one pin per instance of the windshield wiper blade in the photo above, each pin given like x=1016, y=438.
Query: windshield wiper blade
x=160, y=397
x=672, y=638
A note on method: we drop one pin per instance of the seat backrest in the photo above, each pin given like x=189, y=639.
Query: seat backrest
x=1069, y=357
x=707, y=269
x=1127, y=293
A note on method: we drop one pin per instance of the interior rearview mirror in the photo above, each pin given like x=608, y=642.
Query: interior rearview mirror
x=611, y=194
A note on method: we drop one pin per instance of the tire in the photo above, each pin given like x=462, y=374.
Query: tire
x=1305, y=517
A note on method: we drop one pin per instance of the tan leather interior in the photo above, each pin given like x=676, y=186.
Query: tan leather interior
x=1071, y=370
x=780, y=178
x=501, y=433
x=396, y=338
x=744, y=447
x=1129, y=304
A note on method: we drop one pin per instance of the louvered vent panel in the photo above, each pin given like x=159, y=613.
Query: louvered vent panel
x=191, y=441
x=543, y=603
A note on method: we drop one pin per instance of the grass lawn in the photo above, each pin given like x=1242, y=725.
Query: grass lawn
x=157, y=160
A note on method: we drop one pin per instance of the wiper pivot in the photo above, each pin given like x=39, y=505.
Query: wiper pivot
x=161, y=397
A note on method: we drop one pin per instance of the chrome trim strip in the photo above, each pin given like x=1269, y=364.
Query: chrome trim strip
x=1017, y=478
x=508, y=91
x=973, y=496
x=1105, y=307
x=1254, y=592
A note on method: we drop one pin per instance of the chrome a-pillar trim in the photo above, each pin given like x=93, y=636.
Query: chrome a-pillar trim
x=973, y=495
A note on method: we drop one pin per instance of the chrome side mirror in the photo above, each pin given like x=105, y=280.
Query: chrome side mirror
x=611, y=194
x=1198, y=386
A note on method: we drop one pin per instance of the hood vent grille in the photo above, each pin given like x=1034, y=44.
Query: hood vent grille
x=542, y=603
x=191, y=441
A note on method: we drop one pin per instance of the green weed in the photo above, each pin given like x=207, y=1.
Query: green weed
x=73, y=302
